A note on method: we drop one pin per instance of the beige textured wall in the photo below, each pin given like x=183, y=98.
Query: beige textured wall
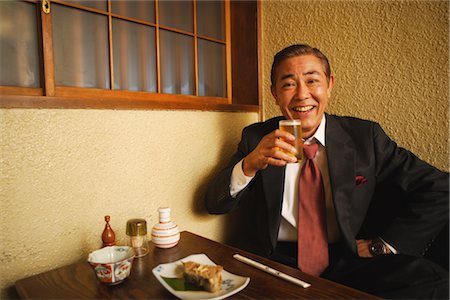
x=390, y=59
x=62, y=171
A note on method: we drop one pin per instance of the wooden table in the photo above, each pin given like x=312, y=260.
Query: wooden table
x=78, y=281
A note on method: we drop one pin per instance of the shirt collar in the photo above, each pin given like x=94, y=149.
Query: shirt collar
x=319, y=135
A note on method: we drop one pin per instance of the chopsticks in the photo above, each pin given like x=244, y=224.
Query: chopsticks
x=269, y=270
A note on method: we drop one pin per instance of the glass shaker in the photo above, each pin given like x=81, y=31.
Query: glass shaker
x=137, y=231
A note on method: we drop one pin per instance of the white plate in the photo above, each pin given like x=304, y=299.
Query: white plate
x=231, y=283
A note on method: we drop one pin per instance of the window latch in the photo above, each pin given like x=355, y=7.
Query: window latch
x=46, y=6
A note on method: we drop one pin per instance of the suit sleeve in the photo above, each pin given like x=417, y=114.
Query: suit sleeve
x=427, y=195
x=218, y=199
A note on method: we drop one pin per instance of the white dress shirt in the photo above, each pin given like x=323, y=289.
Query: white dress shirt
x=289, y=211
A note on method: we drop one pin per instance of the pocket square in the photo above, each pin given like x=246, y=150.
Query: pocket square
x=360, y=180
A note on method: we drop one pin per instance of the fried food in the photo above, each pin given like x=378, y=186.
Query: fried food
x=204, y=276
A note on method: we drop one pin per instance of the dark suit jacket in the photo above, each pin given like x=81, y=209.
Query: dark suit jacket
x=354, y=148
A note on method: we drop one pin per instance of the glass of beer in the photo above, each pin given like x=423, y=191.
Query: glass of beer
x=294, y=127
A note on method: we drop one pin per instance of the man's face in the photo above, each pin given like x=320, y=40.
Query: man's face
x=302, y=91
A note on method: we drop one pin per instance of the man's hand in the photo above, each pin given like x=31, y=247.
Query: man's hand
x=269, y=152
x=363, y=248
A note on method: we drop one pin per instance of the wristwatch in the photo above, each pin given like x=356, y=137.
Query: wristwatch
x=377, y=247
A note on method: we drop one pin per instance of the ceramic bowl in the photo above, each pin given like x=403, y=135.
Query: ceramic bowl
x=112, y=264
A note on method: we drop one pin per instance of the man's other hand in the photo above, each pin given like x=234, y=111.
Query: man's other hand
x=364, y=248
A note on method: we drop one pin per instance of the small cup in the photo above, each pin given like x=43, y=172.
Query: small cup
x=294, y=127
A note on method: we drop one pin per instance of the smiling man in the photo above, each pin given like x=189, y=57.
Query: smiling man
x=334, y=190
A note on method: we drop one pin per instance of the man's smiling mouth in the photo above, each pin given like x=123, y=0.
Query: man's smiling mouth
x=302, y=108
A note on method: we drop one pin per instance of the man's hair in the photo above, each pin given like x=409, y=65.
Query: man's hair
x=299, y=50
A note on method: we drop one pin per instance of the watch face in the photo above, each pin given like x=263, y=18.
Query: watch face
x=376, y=248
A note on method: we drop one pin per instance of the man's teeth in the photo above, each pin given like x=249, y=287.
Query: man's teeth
x=303, y=108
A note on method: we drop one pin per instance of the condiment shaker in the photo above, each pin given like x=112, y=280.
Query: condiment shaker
x=108, y=235
x=137, y=231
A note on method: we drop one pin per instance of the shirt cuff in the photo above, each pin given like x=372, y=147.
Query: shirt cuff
x=238, y=180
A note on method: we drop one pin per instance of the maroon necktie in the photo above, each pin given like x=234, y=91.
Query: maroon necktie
x=312, y=227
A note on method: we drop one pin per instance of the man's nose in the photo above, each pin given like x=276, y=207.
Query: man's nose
x=302, y=91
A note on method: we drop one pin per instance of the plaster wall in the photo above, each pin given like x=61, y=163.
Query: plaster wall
x=390, y=60
x=62, y=171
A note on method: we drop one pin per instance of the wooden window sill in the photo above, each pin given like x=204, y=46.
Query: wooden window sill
x=166, y=102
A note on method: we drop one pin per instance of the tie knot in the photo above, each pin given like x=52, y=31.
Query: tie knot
x=310, y=150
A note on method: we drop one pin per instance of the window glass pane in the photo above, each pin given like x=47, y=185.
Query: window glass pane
x=211, y=69
x=134, y=53
x=96, y=4
x=211, y=19
x=136, y=9
x=177, y=14
x=19, y=50
x=177, y=63
x=80, y=41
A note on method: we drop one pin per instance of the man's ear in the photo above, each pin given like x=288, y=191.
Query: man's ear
x=330, y=86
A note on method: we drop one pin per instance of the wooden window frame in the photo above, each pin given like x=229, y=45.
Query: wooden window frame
x=242, y=40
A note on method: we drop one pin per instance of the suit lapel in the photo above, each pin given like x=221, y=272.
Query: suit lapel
x=341, y=164
x=273, y=185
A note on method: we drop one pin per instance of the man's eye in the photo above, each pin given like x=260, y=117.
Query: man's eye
x=288, y=84
x=312, y=80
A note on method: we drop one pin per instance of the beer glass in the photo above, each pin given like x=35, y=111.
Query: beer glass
x=294, y=127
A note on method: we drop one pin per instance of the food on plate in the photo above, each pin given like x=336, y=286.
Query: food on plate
x=205, y=276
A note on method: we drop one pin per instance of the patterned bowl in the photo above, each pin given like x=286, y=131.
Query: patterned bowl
x=112, y=264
